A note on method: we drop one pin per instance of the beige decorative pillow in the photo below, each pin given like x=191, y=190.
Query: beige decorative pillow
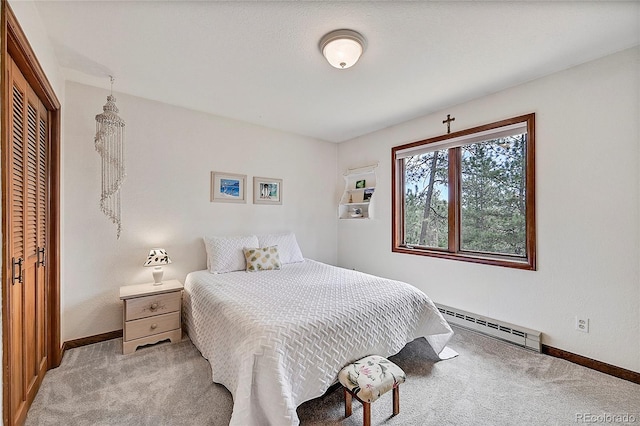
x=262, y=259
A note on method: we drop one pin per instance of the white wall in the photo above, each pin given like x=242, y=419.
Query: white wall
x=31, y=24
x=588, y=222
x=170, y=154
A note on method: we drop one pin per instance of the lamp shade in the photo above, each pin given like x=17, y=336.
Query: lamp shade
x=342, y=48
x=157, y=257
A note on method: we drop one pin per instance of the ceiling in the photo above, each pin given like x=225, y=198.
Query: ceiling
x=259, y=61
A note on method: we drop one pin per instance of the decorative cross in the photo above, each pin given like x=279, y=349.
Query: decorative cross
x=448, y=121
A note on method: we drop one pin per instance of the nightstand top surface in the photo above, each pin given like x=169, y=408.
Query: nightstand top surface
x=139, y=290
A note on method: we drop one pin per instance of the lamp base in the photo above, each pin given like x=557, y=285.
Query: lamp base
x=157, y=275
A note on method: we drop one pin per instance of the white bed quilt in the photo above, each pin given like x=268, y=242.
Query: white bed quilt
x=276, y=339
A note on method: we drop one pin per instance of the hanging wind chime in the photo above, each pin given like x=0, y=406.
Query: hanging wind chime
x=109, y=142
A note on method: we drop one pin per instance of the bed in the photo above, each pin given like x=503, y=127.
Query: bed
x=278, y=338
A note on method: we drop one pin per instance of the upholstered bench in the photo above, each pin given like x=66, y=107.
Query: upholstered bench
x=367, y=380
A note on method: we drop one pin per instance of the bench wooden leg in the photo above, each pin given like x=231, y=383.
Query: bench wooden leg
x=396, y=400
x=366, y=413
x=347, y=403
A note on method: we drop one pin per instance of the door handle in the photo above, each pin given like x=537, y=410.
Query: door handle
x=15, y=263
x=41, y=259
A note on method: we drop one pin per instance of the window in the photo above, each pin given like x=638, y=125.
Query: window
x=468, y=195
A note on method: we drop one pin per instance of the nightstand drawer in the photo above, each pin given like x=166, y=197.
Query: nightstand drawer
x=142, y=307
x=149, y=326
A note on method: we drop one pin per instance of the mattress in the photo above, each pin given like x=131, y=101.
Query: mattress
x=276, y=339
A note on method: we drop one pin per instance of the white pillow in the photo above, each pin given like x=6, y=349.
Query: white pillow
x=225, y=254
x=287, y=246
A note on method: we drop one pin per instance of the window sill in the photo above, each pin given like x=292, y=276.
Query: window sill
x=507, y=262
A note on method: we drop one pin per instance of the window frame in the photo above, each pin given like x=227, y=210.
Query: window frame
x=528, y=262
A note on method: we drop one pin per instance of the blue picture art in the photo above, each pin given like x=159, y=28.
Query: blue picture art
x=230, y=187
x=269, y=191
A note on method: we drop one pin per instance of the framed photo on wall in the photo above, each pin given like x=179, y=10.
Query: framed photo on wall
x=267, y=190
x=228, y=187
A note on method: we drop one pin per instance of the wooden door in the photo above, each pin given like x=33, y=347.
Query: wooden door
x=28, y=186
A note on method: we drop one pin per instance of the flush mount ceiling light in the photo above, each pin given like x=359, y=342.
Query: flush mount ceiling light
x=342, y=48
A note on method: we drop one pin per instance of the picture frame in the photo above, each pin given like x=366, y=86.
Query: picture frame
x=228, y=187
x=360, y=184
x=368, y=193
x=267, y=191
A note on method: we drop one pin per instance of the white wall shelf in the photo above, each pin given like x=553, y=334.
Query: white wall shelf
x=359, y=193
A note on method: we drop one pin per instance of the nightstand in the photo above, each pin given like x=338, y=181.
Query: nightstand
x=151, y=313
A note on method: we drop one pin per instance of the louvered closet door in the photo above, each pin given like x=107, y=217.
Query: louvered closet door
x=28, y=224
x=42, y=227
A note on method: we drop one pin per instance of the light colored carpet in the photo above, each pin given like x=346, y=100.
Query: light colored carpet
x=490, y=383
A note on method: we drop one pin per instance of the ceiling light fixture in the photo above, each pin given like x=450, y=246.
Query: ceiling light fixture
x=342, y=48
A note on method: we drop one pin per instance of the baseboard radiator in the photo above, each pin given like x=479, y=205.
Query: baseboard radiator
x=521, y=336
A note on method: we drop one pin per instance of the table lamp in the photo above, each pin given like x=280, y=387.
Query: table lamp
x=157, y=257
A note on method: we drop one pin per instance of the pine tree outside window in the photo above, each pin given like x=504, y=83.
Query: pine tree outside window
x=468, y=195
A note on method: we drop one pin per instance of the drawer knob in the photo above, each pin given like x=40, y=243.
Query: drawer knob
x=154, y=326
x=154, y=306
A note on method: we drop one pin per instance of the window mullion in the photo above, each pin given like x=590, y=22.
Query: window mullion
x=401, y=240
x=454, y=200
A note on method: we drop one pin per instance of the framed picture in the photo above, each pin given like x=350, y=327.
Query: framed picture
x=267, y=190
x=360, y=183
x=367, y=195
x=228, y=187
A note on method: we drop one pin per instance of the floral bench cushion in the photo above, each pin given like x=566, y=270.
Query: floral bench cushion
x=371, y=377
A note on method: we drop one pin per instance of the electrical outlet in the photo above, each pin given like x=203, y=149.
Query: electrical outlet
x=582, y=324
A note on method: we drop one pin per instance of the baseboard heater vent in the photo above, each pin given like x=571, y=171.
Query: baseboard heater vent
x=521, y=336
